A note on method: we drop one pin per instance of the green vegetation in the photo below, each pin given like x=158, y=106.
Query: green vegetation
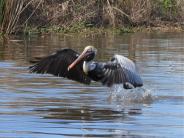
x=67, y=16
x=168, y=4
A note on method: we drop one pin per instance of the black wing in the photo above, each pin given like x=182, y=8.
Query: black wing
x=57, y=64
x=121, y=70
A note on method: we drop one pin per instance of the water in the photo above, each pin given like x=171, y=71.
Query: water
x=36, y=106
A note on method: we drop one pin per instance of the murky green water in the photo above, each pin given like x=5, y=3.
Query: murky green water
x=36, y=106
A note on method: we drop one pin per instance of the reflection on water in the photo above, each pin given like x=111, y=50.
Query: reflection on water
x=33, y=105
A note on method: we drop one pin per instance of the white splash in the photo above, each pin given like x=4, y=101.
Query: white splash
x=131, y=96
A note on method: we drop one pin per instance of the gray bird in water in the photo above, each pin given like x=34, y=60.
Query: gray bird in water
x=69, y=64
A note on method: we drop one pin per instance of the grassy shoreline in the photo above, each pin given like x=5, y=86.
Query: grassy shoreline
x=83, y=30
x=102, y=30
x=45, y=16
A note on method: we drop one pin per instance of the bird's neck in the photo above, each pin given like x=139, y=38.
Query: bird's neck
x=85, y=67
x=88, y=66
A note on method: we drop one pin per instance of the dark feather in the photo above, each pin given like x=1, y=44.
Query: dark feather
x=57, y=64
x=117, y=71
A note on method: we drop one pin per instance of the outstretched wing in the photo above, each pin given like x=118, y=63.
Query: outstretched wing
x=57, y=64
x=121, y=70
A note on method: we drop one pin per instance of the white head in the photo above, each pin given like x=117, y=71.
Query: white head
x=88, y=54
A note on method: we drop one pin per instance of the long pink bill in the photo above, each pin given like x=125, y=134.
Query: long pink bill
x=77, y=60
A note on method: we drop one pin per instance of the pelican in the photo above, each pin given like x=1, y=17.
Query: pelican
x=69, y=64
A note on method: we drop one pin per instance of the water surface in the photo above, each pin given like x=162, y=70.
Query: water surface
x=33, y=105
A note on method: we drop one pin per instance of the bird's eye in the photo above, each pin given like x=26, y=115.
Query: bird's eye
x=89, y=50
